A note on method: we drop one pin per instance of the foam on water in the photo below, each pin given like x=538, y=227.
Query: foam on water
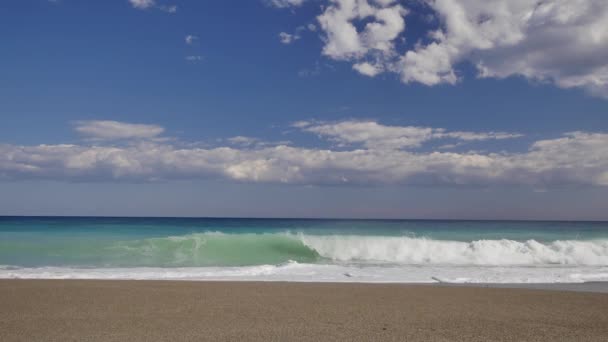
x=325, y=273
x=422, y=251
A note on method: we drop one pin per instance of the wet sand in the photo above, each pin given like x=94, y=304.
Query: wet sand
x=91, y=310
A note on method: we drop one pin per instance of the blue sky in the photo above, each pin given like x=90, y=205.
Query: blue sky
x=109, y=109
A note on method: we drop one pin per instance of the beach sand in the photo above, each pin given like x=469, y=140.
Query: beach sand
x=82, y=310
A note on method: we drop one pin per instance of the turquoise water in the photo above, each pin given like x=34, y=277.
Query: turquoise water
x=183, y=242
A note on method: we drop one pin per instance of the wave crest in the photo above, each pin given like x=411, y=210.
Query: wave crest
x=215, y=249
x=219, y=249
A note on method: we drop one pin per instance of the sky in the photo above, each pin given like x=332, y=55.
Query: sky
x=445, y=109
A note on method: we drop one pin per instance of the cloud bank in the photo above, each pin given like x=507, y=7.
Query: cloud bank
x=563, y=42
x=370, y=153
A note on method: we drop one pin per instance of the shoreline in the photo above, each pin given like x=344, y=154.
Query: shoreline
x=149, y=310
x=589, y=286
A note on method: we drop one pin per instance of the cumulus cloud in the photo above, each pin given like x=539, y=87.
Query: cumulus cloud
x=382, y=155
x=344, y=41
x=559, y=41
x=113, y=130
x=563, y=42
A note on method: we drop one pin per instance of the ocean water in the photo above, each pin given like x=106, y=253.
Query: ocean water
x=423, y=251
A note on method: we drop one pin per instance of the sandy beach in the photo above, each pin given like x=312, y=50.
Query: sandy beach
x=81, y=310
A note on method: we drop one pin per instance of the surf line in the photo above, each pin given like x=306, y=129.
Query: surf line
x=440, y=281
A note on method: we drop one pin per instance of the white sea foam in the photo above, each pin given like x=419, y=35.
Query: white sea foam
x=422, y=251
x=327, y=273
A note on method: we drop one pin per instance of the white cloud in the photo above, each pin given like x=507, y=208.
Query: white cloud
x=287, y=38
x=285, y=3
x=344, y=41
x=112, y=130
x=142, y=4
x=367, y=69
x=559, y=41
x=251, y=142
x=385, y=156
x=550, y=162
x=147, y=4
x=191, y=39
x=564, y=42
x=377, y=136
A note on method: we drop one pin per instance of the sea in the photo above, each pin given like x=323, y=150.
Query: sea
x=303, y=250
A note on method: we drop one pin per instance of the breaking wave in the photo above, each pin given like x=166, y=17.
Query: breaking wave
x=214, y=249
x=422, y=251
x=219, y=249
